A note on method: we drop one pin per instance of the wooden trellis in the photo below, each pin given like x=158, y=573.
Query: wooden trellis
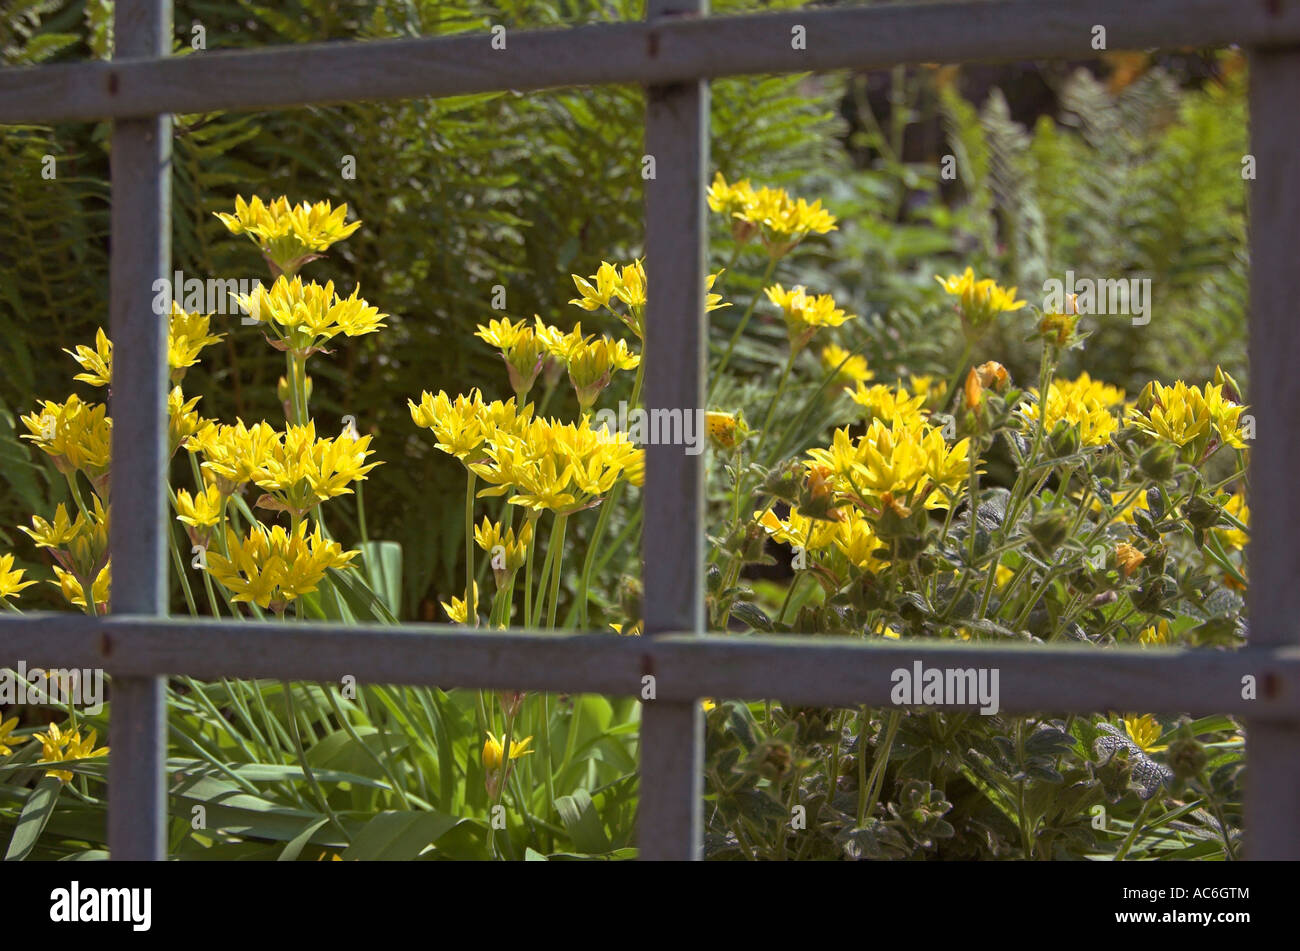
x=674, y=53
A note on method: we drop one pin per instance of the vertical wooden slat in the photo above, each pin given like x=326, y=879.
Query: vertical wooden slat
x=141, y=253
x=1272, y=821
x=677, y=116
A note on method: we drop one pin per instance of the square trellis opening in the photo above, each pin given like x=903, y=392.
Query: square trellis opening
x=673, y=53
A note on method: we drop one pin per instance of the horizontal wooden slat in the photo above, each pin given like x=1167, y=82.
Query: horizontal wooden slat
x=805, y=670
x=660, y=52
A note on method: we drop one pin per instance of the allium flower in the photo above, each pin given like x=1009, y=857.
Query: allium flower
x=289, y=236
x=11, y=582
x=59, y=747
x=7, y=740
x=272, y=566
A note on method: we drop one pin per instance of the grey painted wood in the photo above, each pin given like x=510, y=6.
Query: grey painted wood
x=676, y=352
x=804, y=670
x=650, y=53
x=1273, y=791
x=141, y=253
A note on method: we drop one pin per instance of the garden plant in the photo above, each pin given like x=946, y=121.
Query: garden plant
x=844, y=500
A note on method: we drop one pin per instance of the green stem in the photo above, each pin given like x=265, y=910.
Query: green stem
x=471, y=602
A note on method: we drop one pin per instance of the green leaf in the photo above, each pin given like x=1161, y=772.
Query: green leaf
x=31, y=823
x=581, y=822
x=383, y=562
x=398, y=835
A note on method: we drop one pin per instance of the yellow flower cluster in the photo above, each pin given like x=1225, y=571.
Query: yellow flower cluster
x=304, y=315
x=627, y=284
x=891, y=404
x=188, y=334
x=590, y=361
x=465, y=424
x=806, y=313
x=908, y=461
x=60, y=747
x=561, y=467
x=76, y=435
x=1086, y=408
x=780, y=220
x=853, y=537
x=522, y=349
x=272, y=566
x=1188, y=416
x=979, y=301
x=289, y=235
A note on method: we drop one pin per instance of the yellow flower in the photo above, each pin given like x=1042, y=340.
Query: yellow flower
x=304, y=316
x=54, y=534
x=1157, y=636
x=201, y=510
x=591, y=362
x=59, y=747
x=979, y=301
x=457, y=610
x=1226, y=416
x=97, y=363
x=183, y=421
x=11, y=579
x=783, y=221
x=76, y=435
x=493, y=750
x=729, y=199
x=858, y=542
x=884, y=630
x=80, y=546
x=800, y=531
x=74, y=592
x=1096, y=391
x=7, y=741
x=300, y=471
x=233, y=454
x=523, y=351
x=462, y=425
x=706, y=705
x=1177, y=414
x=1144, y=731
x=507, y=549
x=909, y=461
x=805, y=313
x=890, y=404
x=187, y=336
x=275, y=565
x=563, y=467
x=849, y=368
x=1083, y=409
x=289, y=236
